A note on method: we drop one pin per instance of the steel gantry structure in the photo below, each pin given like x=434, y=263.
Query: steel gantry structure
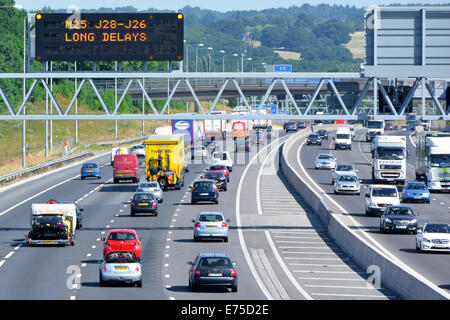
x=220, y=82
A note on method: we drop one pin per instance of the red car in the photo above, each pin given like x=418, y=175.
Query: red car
x=122, y=240
x=389, y=126
x=220, y=167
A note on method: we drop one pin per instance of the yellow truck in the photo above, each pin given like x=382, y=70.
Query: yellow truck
x=165, y=161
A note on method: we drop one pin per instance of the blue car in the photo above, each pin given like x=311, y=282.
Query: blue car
x=90, y=169
x=416, y=192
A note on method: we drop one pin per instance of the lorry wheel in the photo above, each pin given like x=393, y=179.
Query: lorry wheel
x=163, y=183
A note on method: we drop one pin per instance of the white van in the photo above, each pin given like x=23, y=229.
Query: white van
x=343, y=139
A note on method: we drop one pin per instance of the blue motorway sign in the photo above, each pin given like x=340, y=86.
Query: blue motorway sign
x=282, y=68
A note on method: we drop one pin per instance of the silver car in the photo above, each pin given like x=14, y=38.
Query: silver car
x=325, y=161
x=211, y=225
x=120, y=267
x=151, y=187
x=347, y=183
x=342, y=169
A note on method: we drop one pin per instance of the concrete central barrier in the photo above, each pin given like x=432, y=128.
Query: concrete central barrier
x=394, y=275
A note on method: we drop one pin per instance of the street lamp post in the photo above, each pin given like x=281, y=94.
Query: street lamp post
x=223, y=60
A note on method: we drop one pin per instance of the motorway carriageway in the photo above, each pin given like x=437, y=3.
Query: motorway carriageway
x=432, y=266
x=279, y=246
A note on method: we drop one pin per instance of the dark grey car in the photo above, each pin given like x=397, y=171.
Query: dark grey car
x=399, y=218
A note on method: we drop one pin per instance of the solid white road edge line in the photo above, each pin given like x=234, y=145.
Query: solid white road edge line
x=383, y=251
x=239, y=225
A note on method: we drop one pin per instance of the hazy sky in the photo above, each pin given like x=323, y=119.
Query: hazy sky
x=204, y=4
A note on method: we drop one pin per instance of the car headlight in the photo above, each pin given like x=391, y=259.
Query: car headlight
x=426, y=240
x=409, y=194
x=387, y=220
x=373, y=205
x=413, y=221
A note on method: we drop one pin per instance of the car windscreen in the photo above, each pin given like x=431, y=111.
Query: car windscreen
x=342, y=167
x=144, y=197
x=322, y=132
x=348, y=179
x=214, y=175
x=120, y=257
x=375, y=125
x=121, y=236
x=90, y=165
x=437, y=228
x=403, y=211
x=210, y=217
x=215, y=262
x=416, y=186
x=384, y=192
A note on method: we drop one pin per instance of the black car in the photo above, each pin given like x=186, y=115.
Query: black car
x=212, y=269
x=323, y=134
x=290, y=126
x=204, y=190
x=398, y=218
x=144, y=203
x=314, y=138
x=48, y=227
x=218, y=177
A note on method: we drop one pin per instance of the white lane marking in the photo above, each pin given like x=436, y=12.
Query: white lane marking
x=354, y=221
x=285, y=268
x=331, y=279
x=258, y=181
x=332, y=272
x=18, y=247
x=72, y=297
x=238, y=223
x=167, y=275
x=1, y=263
x=172, y=298
x=93, y=247
x=410, y=139
x=88, y=255
x=166, y=255
x=324, y=265
x=111, y=221
x=353, y=295
x=37, y=194
x=84, y=265
x=9, y=255
x=308, y=252
x=341, y=287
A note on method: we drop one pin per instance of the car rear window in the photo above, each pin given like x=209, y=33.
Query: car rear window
x=215, y=262
x=314, y=136
x=50, y=218
x=217, y=167
x=325, y=156
x=90, y=165
x=214, y=175
x=202, y=185
x=121, y=236
x=144, y=197
x=416, y=186
x=210, y=218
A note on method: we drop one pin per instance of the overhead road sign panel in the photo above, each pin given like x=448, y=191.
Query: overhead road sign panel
x=109, y=36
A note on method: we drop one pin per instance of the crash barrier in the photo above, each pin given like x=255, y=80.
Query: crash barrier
x=48, y=165
x=394, y=274
x=43, y=166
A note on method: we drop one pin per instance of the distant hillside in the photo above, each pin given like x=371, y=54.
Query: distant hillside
x=318, y=33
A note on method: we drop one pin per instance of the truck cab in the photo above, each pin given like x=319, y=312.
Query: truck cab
x=389, y=159
x=374, y=128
